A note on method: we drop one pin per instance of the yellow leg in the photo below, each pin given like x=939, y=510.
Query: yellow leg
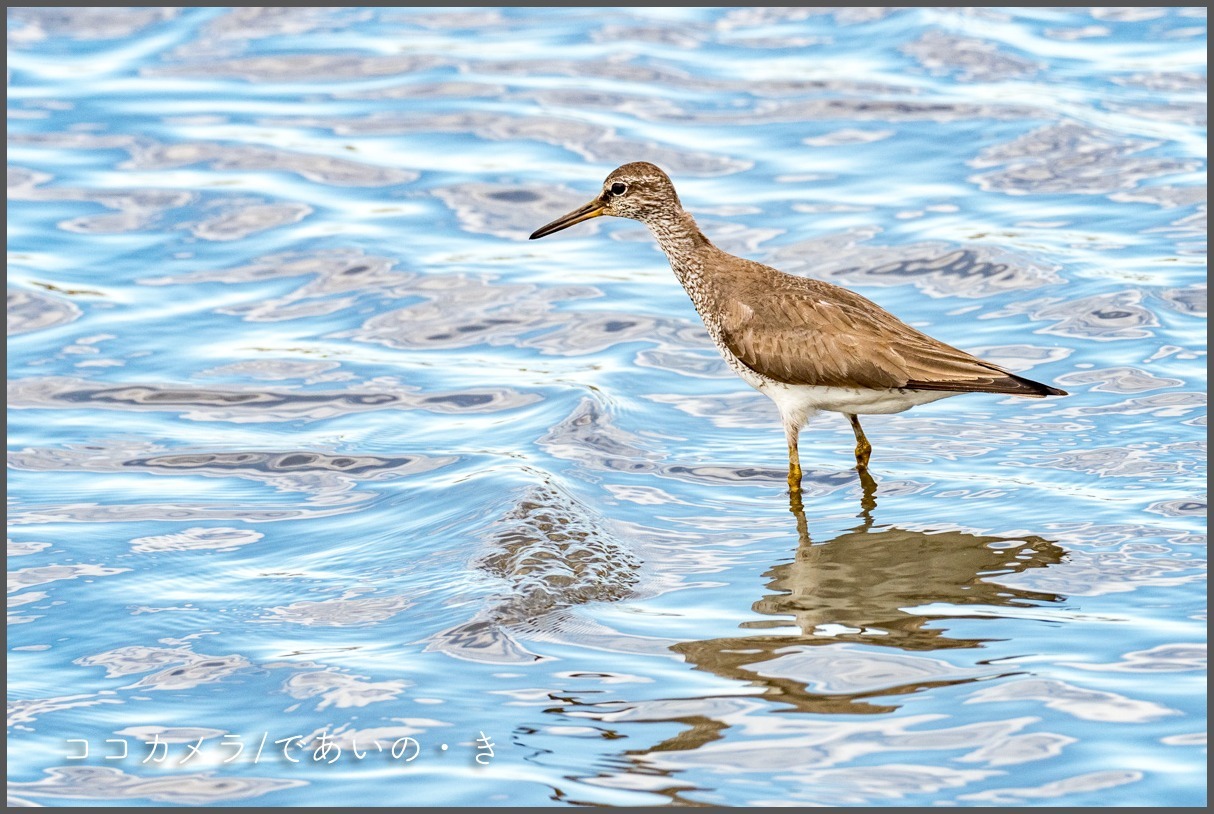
x=794, y=470
x=863, y=448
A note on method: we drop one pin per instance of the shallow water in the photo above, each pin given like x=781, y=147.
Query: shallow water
x=306, y=440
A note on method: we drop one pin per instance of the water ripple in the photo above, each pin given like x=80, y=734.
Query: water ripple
x=938, y=270
x=342, y=612
x=35, y=311
x=553, y=553
x=307, y=439
x=245, y=405
x=1071, y=157
x=106, y=783
x=216, y=538
x=175, y=668
x=972, y=60
x=37, y=24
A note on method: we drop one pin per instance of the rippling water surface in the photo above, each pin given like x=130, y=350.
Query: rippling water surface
x=310, y=449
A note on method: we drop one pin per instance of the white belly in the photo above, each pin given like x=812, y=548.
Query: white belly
x=797, y=402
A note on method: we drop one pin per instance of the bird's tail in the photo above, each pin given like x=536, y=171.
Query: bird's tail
x=1009, y=383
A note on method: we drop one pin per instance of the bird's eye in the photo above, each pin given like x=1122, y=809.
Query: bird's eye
x=618, y=188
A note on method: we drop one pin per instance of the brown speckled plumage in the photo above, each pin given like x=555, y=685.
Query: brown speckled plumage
x=807, y=344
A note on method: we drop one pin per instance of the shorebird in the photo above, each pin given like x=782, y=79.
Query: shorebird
x=806, y=344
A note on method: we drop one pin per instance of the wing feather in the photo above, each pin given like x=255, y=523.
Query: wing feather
x=809, y=332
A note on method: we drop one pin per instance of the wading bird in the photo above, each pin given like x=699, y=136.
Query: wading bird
x=806, y=344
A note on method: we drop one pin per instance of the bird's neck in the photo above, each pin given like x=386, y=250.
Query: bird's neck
x=684, y=245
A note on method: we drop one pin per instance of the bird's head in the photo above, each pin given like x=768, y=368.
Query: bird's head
x=639, y=190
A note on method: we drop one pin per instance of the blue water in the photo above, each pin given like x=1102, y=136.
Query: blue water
x=308, y=443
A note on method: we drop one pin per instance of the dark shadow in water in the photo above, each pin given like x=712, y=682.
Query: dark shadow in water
x=551, y=553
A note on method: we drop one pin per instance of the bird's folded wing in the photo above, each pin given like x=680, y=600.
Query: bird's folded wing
x=828, y=336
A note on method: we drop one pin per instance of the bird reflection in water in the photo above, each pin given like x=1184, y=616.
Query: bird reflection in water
x=869, y=607
x=870, y=586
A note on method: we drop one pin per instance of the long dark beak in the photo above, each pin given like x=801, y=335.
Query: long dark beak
x=590, y=210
